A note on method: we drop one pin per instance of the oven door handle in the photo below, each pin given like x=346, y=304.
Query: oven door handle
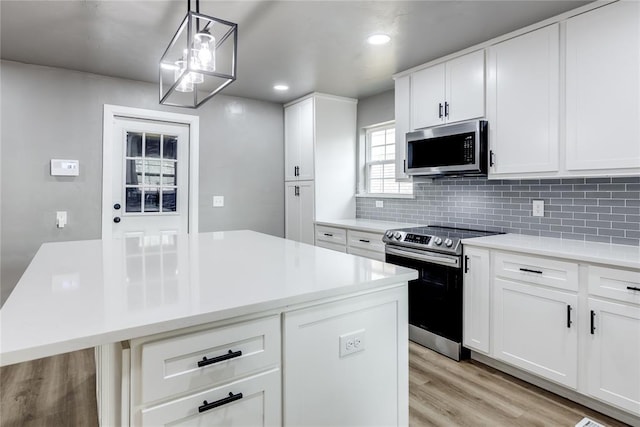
x=433, y=258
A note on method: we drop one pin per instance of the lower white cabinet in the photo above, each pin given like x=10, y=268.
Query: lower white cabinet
x=299, y=211
x=613, y=353
x=362, y=243
x=476, y=305
x=534, y=328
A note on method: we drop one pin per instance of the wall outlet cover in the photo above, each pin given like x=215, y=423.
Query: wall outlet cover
x=352, y=342
x=218, y=201
x=538, y=208
x=379, y=204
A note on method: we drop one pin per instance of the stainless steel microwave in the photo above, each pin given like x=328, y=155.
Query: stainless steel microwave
x=456, y=149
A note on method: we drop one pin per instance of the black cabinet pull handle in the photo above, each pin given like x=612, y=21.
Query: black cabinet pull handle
x=365, y=241
x=116, y=219
x=569, y=316
x=440, y=110
x=466, y=264
x=296, y=171
x=328, y=234
x=593, y=322
x=531, y=271
x=491, y=162
x=405, y=166
x=633, y=288
x=446, y=109
x=230, y=355
x=296, y=191
x=232, y=398
x=116, y=206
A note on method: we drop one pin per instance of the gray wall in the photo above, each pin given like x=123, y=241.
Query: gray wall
x=594, y=209
x=54, y=113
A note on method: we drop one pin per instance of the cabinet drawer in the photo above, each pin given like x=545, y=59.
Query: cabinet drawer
x=332, y=246
x=364, y=240
x=171, y=366
x=331, y=234
x=258, y=406
x=621, y=285
x=379, y=256
x=540, y=271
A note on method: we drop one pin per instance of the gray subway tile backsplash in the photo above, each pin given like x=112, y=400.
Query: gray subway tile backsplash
x=592, y=209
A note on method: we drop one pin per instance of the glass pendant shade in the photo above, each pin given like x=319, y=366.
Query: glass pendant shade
x=203, y=51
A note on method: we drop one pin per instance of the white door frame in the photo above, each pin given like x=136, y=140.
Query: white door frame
x=113, y=111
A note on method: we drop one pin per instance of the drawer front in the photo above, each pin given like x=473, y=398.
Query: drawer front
x=621, y=285
x=378, y=256
x=332, y=246
x=258, y=406
x=536, y=270
x=331, y=235
x=364, y=240
x=171, y=366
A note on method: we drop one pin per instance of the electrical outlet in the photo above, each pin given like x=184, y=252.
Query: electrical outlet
x=61, y=219
x=379, y=203
x=218, y=201
x=352, y=342
x=538, y=208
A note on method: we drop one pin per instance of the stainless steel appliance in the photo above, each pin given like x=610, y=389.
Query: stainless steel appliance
x=457, y=149
x=435, y=297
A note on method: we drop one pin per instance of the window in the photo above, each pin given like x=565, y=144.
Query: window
x=379, y=170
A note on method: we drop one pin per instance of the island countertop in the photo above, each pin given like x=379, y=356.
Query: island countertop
x=81, y=294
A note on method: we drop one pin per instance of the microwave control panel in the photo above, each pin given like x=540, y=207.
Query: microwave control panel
x=468, y=150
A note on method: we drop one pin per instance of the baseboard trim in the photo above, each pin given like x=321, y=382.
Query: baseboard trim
x=574, y=396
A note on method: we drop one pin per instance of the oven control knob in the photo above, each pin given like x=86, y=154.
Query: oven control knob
x=448, y=243
x=397, y=235
x=437, y=241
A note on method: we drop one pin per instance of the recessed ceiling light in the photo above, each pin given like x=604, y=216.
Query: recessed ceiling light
x=281, y=87
x=378, y=39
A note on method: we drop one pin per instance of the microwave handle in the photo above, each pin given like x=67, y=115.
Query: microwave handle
x=491, y=162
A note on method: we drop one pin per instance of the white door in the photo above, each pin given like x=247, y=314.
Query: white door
x=465, y=87
x=291, y=145
x=150, y=178
x=613, y=356
x=476, y=299
x=306, y=134
x=427, y=97
x=299, y=213
x=535, y=329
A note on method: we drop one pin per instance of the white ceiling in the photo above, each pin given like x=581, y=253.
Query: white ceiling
x=309, y=45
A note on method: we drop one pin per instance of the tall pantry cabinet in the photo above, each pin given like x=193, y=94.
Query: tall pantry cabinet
x=320, y=162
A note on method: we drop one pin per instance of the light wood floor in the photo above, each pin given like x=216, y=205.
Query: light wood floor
x=60, y=391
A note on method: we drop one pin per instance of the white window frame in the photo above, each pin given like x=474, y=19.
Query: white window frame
x=365, y=150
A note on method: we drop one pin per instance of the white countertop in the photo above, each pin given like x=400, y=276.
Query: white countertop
x=81, y=294
x=592, y=252
x=370, y=225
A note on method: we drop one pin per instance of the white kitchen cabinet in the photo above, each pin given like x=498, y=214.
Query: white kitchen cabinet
x=523, y=103
x=299, y=211
x=476, y=303
x=449, y=92
x=298, y=140
x=603, y=91
x=403, y=124
x=326, y=158
x=324, y=345
x=534, y=329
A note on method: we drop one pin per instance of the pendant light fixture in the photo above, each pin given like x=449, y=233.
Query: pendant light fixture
x=200, y=60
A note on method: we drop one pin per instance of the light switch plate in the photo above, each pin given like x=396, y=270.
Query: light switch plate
x=60, y=167
x=538, y=208
x=218, y=201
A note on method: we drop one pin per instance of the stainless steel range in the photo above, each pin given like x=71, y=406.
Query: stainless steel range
x=435, y=297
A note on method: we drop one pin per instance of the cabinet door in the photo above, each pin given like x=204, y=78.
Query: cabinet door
x=299, y=218
x=613, y=356
x=523, y=102
x=306, y=136
x=532, y=330
x=476, y=300
x=603, y=88
x=307, y=229
x=292, y=211
x=427, y=97
x=291, y=144
x=465, y=87
x=403, y=125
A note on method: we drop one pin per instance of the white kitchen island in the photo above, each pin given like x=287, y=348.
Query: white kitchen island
x=227, y=328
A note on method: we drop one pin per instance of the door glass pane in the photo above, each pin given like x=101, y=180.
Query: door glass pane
x=134, y=144
x=151, y=200
x=134, y=172
x=169, y=199
x=152, y=172
x=169, y=173
x=152, y=145
x=169, y=147
x=133, y=199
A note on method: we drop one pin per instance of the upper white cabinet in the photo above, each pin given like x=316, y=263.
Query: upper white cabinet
x=403, y=124
x=298, y=140
x=448, y=92
x=603, y=90
x=523, y=103
x=320, y=162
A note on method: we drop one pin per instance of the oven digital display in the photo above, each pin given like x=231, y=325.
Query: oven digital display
x=417, y=238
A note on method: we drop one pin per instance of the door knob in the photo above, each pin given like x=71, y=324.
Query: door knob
x=116, y=219
x=116, y=206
